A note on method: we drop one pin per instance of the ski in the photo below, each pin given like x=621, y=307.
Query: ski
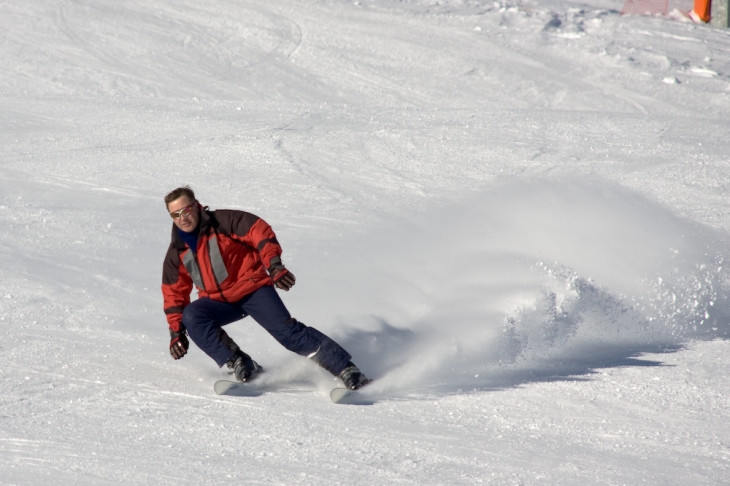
x=340, y=394
x=237, y=389
x=256, y=389
x=345, y=396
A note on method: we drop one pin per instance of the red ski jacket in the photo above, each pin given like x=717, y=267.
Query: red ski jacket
x=234, y=250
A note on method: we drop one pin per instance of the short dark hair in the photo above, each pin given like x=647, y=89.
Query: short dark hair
x=176, y=194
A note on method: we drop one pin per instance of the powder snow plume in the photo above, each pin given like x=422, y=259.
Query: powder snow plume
x=522, y=281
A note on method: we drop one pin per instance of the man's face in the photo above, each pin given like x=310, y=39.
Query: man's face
x=188, y=222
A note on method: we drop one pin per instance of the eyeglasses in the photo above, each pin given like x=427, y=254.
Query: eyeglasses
x=183, y=212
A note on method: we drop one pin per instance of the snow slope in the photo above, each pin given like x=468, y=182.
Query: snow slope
x=513, y=214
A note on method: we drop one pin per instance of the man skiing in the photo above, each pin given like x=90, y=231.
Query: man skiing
x=234, y=260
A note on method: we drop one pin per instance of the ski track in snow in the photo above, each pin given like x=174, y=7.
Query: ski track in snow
x=514, y=214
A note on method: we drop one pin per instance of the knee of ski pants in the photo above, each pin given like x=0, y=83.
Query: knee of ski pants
x=192, y=316
x=206, y=331
x=200, y=314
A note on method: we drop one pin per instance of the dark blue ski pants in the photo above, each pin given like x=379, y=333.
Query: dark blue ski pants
x=204, y=320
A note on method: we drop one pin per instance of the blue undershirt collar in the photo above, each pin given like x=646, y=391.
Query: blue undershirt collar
x=191, y=239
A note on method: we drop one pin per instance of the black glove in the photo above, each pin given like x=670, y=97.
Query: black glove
x=179, y=343
x=281, y=277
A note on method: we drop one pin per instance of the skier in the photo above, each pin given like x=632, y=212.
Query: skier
x=226, y=254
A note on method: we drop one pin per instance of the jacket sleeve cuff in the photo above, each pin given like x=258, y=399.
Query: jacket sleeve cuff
x=274, y=263
x=177, y=333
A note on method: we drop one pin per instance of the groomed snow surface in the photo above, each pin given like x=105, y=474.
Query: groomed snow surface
x=514, y=214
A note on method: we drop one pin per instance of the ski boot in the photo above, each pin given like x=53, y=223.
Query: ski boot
x=352, y=377
x=244, y=368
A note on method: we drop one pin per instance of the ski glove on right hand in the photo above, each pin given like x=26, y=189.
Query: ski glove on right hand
x=281, y=277
x=179, y=343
